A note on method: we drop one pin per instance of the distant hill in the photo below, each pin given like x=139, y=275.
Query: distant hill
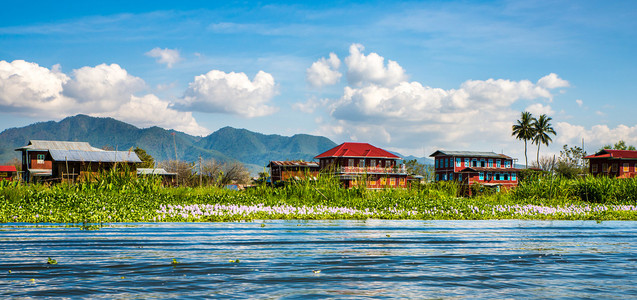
x=226, y=144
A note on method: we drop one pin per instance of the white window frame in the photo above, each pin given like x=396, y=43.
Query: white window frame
x=498, y=163
x=40, y=158
x=458, y=162
x=467, y=163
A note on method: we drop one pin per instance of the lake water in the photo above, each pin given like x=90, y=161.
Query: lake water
x=323, y=259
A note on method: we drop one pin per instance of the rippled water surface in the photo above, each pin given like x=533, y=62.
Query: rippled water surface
x=323, y=259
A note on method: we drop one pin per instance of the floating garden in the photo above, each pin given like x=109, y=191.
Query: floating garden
x=120, y=198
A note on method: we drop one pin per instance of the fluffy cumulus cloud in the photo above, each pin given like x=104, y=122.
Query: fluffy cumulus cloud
x=381, y=106
x=596, y=135
x=30, y=89
x=104, y=90
x=165, y=56
x=362, y=69
x=234, y=93
x=324, y=71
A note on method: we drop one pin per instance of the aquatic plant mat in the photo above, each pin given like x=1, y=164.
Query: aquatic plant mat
x=113, y=199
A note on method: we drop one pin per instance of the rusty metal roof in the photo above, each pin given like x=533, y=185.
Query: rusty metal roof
x=94, y=156
x=58, y=145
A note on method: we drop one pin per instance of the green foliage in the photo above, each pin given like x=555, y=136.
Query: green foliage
x=524, y=130
x=147, y=160
x=621, y=145
x=571, y=162
x=117, y=196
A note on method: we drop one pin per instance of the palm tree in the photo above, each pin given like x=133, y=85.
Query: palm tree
x=542, y=128
x=523, y=130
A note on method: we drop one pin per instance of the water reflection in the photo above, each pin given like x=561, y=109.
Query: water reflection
x=319, y=259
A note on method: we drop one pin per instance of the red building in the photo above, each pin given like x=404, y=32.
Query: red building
x=8, y=173
x=293, y=170
x=363, y=164
x=471, y=167
x=613, y=163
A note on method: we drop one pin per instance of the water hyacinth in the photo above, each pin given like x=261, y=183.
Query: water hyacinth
x=245, y=212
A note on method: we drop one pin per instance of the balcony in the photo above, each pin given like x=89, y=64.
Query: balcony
x=373, y=170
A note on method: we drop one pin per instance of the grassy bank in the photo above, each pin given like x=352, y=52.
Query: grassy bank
x=115, y=198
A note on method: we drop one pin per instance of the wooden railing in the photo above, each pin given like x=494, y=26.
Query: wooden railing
x=389, y=170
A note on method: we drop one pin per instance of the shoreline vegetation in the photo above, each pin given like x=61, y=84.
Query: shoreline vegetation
x=122, y=197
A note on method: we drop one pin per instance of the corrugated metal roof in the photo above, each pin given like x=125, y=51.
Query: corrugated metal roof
x=469, y=154
x=293, y=163
x=58, y=145
x=149, y=171
x=357, y=150
x=94, y=156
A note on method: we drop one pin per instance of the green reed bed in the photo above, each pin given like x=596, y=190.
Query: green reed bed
x=115, y=197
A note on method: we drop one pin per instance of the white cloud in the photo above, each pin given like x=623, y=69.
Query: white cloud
x=104, y=90
x=579, y=102
x=363, y=69
x=30, y=89
x=149, y=111
x=552, y=81
x=538, y=109
x=310, y=105
x=219, y=92
x=595, y=136
x=324, y=71
x=165, y=56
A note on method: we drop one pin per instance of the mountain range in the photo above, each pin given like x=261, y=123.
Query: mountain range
x=226, y=144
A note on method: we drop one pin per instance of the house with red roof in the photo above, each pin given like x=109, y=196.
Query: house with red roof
x=361, y=164
x=8, y=173
x=613, y=163
x=474, y=167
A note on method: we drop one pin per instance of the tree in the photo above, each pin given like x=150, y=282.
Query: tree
x=621, y=145
x=217, y=173
x=541, y=130
x=415, y=168
x=183, y=170
x=523, y=130
x=571, y=162
x=147, y=160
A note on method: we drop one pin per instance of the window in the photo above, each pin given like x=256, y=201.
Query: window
x=497, y=176
x=488, y=176
x=350, y=162
x=605, y=167
x=513, y=176
x=388, y=164
x=497, y=163
x=466, y=162
x=444, y=177
x=451, y=176
x=392, y=181
x=458, y=162
x=507, y=164
x=481, y=176
x=594, y=168
x=614, y=167
x=474, y=163
x=372, y=162
x=437, y=162
x=459, y=177
x=483, y=163
x=40, y=158
x=401, y=181
x=437, y=177
x=383, y=181
x=626, y=168
x=490, y=163
x=506, y=176
x=361, y=162
x=446, y=163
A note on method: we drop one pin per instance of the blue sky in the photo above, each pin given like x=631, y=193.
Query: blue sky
x=412, y=77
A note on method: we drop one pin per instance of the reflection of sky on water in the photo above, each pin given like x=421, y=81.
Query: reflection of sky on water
x=369, y=258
